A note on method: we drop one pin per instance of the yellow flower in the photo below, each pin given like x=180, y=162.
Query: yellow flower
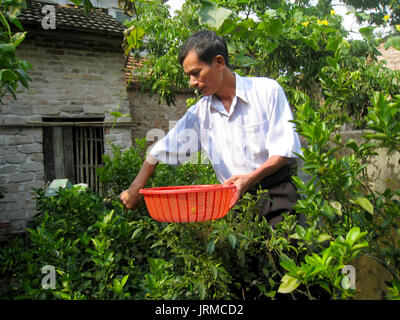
x=333, y=12
x=306, y=23
x=398, y=27
x=386, y=18
x=323, y=22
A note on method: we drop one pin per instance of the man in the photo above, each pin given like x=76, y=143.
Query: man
x=241, y=123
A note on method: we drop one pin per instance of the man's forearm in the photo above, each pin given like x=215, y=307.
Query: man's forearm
x=144, y=174
x=131, y=197
x=273, y=164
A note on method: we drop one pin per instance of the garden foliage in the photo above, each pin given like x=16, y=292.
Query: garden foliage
x=13, y=71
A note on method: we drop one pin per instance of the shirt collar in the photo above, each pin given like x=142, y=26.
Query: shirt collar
x=240, y=88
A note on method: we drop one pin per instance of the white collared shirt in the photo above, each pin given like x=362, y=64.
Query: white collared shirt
x=236, y=142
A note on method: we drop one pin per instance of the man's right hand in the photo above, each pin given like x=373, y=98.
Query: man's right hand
x=130, y=198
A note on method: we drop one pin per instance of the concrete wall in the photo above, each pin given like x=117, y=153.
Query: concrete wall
x=391, y=56
x=384, y=169
x=384, y=172
x=74, y=76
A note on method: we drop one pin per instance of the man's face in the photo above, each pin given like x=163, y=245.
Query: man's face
x=206, y=78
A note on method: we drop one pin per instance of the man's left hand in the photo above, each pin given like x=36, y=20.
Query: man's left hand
x=242, y=183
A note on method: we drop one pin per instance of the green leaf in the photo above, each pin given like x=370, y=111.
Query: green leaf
x=367, y=32
x=124, y=279
x=323, y=237
x=213, y=17
x=300, y=231
x=151, y=281
x=353, y=235
x=87, y=5
x=23, y=77
x=17, y=23
x=244, y=61
x=214, y=271
x=116, y=114
x=233, y=240
x=333, y=43
x=360, y=246
x=270, y=13
x=288, y=263
x=7, y=47
x=137, y=232
x=352, y=145
x=18, y=37
x=156, y=244
x=117, y=286
x=327, y=211
x=337, y=206
x=332, y=62
x=202, y=290
x=7, y=75
x=365, y=204
x=310, y=42
x=76, y=2
x=211, y=247
x=288, y=284
x=394, y=42
x=273, y=27
x=135, y=37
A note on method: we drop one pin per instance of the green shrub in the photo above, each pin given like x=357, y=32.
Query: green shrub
x=100, y=250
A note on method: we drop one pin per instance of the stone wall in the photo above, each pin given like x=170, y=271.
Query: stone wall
x=74, y=76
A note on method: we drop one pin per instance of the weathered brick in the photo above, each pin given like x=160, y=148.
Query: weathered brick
x=72, y=109
x=20, y=177
x=5, y=169
x=38, y=157
x=91, y=77
x=56, y=52
x=31, y=148
x=31, y=167
x=15, y=158
x=18, y=140
x=12, y=187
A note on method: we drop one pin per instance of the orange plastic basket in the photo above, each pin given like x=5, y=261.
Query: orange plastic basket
x=188, y=203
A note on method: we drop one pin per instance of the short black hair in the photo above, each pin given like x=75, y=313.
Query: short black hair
x=207, y=45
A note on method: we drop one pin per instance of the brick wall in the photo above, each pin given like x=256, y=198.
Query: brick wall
x=73, y=76
x=147, y=114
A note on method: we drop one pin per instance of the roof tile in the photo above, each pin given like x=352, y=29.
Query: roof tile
x=73, y=18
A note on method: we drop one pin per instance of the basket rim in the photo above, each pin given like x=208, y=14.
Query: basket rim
x=186, y=189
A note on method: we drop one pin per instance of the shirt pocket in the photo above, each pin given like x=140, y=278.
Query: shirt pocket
x=253, y=139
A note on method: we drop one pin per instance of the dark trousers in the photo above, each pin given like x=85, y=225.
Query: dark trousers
x=280, y=196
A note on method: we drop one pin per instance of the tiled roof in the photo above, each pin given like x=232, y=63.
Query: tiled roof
x=73, y=18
